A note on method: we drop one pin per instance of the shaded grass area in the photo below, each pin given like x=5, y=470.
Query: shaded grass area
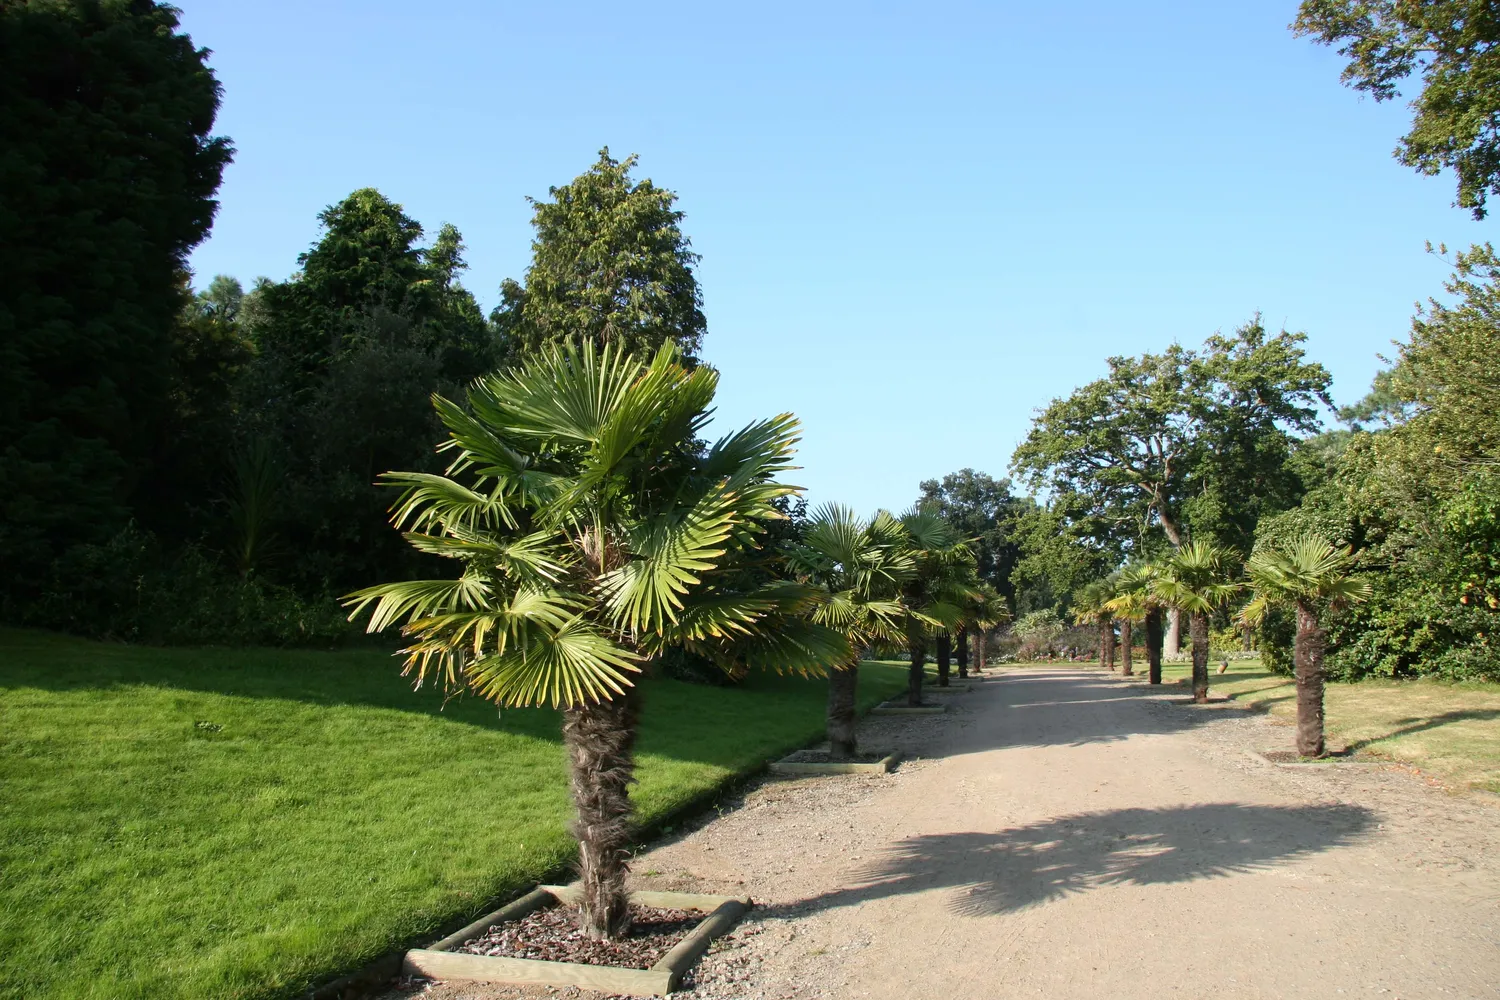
x=245, y=823
x=1449, y=730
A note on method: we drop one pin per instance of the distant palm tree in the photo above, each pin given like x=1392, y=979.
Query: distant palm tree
x=1091, y=606
x=860, y=566
x=934, y=596
x=1310, y=574
x=593, y=533
x=1195, y=580
x=1134, y=601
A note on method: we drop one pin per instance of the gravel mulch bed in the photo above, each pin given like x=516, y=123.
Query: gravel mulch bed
x=552, y=935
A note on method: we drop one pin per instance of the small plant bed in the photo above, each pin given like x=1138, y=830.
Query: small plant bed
x=963, y=687
x=893, y=708
x=552, y=935
x=535, y=940
x=807, y=762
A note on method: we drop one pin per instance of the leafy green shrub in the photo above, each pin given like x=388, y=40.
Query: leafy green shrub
x=130, y=589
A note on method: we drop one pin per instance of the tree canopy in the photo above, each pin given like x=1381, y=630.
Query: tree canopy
x=610, y=263
x=107, y=181
x=1454, y=46
x=1182, y=442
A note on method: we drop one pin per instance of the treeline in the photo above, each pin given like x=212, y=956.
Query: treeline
x=1223, y=446
x=198, y=466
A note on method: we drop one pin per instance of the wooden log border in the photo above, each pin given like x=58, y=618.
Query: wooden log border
x=803, y=767
x=439, y=962
x=889, y=709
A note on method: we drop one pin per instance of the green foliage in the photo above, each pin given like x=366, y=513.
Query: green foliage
x=593, y=535
x=1037, y=631
x=610, y=264
x=107, y=181
x=1415, y=501
x=1179, y=442
x=131, y=588
x=983, y=510
x=1198, y=578
x=1454, y=45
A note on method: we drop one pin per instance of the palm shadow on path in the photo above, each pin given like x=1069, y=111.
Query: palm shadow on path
x=1002, y=872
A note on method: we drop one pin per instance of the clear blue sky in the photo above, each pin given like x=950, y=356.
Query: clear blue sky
x=918, y=222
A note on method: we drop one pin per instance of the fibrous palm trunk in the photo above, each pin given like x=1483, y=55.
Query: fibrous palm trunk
x=1308, y=659
x=1198, y=630
x=944, y=658
x=601, y=740
x=1126, y=663
x=1107, y=644
x=961, y=652
x=1153, y=645
x=841, y=689
x=916, y=645
x=979, y=650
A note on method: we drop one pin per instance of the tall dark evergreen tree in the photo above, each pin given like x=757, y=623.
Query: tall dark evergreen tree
x=107, y=180
x=609, y=263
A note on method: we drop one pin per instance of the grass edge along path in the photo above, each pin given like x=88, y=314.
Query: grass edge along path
x=248, y=823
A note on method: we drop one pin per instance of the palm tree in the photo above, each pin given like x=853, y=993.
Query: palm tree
x=593, y=533
x=860, y=567
x=984, y=609
x=1091, y=606
x=1134, y=601
x=944, y=568
x=1310, y=574
x=1194, y=580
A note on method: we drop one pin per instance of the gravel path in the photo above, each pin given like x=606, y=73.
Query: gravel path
x=1066, y=833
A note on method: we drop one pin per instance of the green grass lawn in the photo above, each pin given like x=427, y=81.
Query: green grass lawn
x=243, y=823
x=1449, y=731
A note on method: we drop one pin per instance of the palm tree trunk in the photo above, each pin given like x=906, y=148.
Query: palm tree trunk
x=1107, y=651
x=1308, y=658
x=1153, y=645
x=601, y=740
x=916, y=645
x=961, y=651
x=842, y=685
x=944, y=658
x=979, y=643
x=1126, y=664
x=1198, y=629
x=1103, y=649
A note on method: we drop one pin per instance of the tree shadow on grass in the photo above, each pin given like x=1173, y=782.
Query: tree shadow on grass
x=996, y=873
x=1421, y=724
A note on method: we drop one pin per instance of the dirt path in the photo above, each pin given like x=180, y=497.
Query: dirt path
x=1069, y=834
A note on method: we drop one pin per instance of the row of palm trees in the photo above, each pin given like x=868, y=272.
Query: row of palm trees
x=593, y=530
x=1309, y=574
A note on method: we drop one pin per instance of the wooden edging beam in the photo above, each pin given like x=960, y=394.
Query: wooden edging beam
x=908, y=710
x=803, y=767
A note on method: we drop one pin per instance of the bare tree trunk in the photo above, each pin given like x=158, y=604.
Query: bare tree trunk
x=1126, y=664
x=1174, y=632
x=1308, y=659
x=1198, y=629
x=961, y=651
x=944, y=658
x=916, y=645
x=1153, y=645
x=842, y=684
x=601, y=740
